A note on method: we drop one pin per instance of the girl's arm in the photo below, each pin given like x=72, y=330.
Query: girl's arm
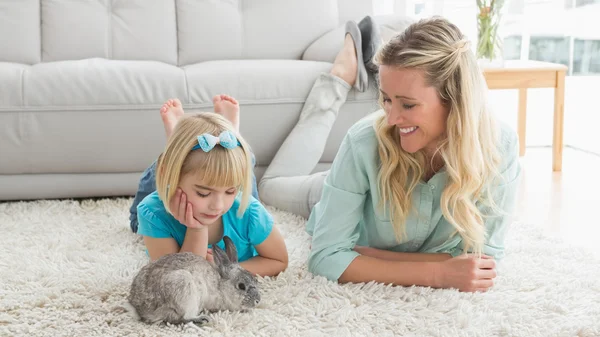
x=158, y=247
x=272, y=258
x=195, y=241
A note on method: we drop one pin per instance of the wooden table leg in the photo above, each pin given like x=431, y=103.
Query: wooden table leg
x=522, y=121
x=559, y=112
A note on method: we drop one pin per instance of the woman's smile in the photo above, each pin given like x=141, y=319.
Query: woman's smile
x=407, y=131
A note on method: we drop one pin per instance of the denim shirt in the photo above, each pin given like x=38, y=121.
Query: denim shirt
x=349, y=214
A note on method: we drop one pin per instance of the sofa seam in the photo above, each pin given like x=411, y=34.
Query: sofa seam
x=109, y=39
x=68, y=173
x=41, y=36
x=176, y=34
x=40, y=108
x=23, y=87
x=243, y=25
x=186, y=85
x=97, y=173
x=185, y=75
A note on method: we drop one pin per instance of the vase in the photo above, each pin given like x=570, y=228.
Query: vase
x=489, y=42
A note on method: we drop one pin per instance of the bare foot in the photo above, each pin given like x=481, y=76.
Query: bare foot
x=229, y=108
x=170, y=113
x=345, y=65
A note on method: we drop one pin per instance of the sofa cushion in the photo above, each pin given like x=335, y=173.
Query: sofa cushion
x=249, y=81
x=113, y=29
x=255, y=29
x=283, y=29
x=326, y=47
x=11, y=84
x=74, y=140
x=144, y=30
x=222, y=19
x=20, y=31
x=111, y=136
x=99, y=82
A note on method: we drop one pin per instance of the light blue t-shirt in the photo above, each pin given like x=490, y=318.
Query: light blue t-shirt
x=246, y=232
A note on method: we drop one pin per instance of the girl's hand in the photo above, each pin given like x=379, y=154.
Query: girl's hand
x=467, y=273
x=209, y=256
x=183, y=211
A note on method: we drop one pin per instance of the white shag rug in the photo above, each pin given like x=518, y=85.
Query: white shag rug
x=66, y=268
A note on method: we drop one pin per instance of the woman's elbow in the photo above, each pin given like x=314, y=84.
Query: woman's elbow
x=313, y=265
x=317, y=267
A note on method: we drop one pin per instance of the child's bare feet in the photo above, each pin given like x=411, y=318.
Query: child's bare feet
x=229, y=108
x=170, y=113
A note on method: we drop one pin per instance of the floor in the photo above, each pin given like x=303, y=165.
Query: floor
x=563, y=203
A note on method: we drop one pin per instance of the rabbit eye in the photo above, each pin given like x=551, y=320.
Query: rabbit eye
x=241, y=286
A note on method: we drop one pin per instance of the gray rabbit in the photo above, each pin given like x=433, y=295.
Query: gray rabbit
x=178, y=288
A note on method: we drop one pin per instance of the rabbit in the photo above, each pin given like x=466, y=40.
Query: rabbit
x=178, y=288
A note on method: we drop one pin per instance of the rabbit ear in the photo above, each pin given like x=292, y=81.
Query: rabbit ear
x=231, y=250
x=222, y=262
x=220, y=257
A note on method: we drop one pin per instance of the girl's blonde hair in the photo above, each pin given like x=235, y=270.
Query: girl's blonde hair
x=469, y=150
x=220, y=167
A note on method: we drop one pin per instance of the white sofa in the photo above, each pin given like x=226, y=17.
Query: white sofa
x=81, y=82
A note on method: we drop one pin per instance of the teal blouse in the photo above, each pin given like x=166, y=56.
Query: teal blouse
x=348, y=213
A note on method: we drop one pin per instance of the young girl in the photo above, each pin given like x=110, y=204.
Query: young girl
x=203, y=192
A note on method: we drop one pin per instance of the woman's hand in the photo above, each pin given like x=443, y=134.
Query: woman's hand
x=467, y=273
x=183, y=211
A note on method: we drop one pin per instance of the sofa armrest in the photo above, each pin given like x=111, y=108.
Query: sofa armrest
x=327, y=46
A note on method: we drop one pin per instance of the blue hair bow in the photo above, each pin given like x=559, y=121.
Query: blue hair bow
x=207, y=142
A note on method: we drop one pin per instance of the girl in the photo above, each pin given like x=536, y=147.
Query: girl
x=203, y=187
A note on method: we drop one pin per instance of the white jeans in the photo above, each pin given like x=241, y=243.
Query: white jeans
x=287, y=183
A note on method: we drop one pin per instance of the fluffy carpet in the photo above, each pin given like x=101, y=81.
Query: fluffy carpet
x=66, y=268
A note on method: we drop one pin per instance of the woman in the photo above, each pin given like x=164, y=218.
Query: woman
x=420, y=192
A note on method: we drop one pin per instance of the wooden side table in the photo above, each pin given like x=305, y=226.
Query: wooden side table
x=523, y=75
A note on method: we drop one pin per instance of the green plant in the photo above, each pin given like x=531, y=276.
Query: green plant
x=489, y=44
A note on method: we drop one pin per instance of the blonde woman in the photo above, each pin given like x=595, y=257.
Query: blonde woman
x=420, y=192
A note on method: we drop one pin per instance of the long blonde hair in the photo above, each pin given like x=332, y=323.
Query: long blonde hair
x=469, y=150
x=220, y=167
